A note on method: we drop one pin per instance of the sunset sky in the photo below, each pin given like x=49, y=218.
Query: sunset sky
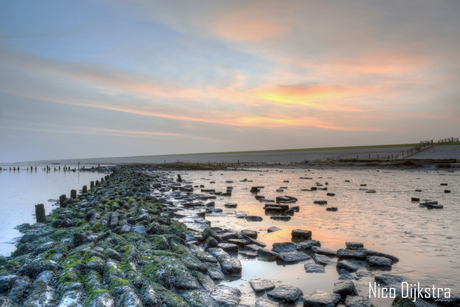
x=81, y=79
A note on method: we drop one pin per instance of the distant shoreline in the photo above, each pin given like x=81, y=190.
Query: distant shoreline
x=364, y=154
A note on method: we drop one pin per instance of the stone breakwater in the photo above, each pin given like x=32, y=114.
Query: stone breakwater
x=121, y=244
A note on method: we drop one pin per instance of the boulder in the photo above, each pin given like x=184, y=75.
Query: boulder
x=324, y=251
x=321, y=299
x=284, y=247
x=376, y=261
x=226, y=296
x=293, y=257
x=312, y=267
x=301, y=235
x=307, y=245
x=358, y=301
x=285, y=294
x=354, y=245
x=266, y=254
x=261, y=285
x=345, y=288
x=249, y=233
x=351, y=254
x=197, y=298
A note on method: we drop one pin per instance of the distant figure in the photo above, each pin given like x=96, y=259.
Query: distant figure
x=179, y=178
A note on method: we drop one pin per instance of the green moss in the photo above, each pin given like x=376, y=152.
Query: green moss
x=93, y=294
x=119, y=282
x=169, y=298
x=152, y=269
x=60, y=234
x=98, y=227
x=132, y=237
x=70, y=276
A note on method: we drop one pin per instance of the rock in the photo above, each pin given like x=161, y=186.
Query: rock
x=208, y=232
x=27, y=238
x=230, y=205
x=20, y=289
x=229, y=247
x=266, y=254
x=374, y=253
x=351, y=254
x=253, y=218
x=284, y=247
x=345, y=288
x=312, y=267
x=226, y=296
x=345, y=275
x=239, y=242
x=205, y=281
x=111, y=253
x=104, y=299
x=321, y=299
x=333, y=209
x=301, y=235
x=387, y=279
x=256, y=242
x=379, y=261
x=324, y=251
x=293, y=257
x=354, y=245
x=211, y=242
x=351, y=265
x=249, y=233
x=358, y=301
x=402, y=302
x=322, y=259
x=280, y=218
x=285, y=294
x=261, y=285
x=96, y=264
x=230, y=265
x=5, y=301
x=307, y=245
x=182, y=279
x=215, y=271
x=198, y=298
x=6, y=282
x=127, y=297
x=273, y=229
x=265, y=303
x=42, y=295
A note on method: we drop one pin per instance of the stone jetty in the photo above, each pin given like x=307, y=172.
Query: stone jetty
x=124, y=243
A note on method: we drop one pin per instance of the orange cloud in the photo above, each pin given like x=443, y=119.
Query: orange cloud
x=251, y=23
x=316, y=96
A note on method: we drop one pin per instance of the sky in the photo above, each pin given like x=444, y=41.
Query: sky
x=100, y=78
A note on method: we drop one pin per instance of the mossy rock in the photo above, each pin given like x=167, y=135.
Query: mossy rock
x=132, y=237
x=402, y=302
x=159, y=242
x=169, y=298
x=60, y=234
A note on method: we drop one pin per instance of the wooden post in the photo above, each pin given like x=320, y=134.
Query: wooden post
x=97, y=183
x=84, y=189
x=91, y=185
x=73, y=194
x=40, y=213
x=62, y=200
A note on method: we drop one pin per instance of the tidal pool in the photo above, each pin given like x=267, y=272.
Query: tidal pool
x=426, y=241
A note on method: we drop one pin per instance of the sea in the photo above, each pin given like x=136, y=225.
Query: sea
x=426, y=241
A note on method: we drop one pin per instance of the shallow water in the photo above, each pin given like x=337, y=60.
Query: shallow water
x=22, y=190
x=426, y=241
